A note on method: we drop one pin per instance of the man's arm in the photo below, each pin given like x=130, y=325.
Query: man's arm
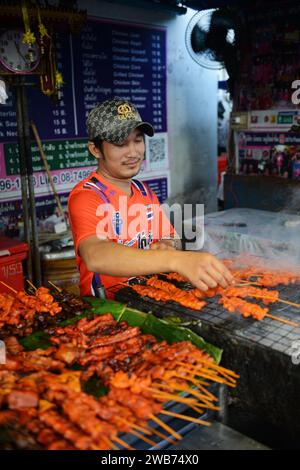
x=170, y=244
x=110, y=258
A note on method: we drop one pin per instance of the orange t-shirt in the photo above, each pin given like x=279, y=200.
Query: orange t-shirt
x=99, y=208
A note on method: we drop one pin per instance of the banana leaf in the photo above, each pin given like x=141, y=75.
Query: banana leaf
x=150, y=324
x=100, y=306
x=94, y=386
x=37, y=340
x=133, y=317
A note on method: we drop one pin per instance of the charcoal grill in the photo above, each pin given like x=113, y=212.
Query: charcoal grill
x=262, y=352
x=268, y=332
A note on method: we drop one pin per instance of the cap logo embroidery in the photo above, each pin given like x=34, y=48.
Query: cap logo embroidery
x=125, y=112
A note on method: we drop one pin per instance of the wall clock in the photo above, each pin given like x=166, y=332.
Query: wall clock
x=16, y=57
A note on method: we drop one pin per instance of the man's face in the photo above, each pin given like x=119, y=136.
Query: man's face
x=123, y=161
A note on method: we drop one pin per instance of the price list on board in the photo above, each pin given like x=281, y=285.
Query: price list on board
x=124, y=61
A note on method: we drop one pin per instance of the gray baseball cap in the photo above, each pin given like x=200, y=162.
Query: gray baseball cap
x=113, y=121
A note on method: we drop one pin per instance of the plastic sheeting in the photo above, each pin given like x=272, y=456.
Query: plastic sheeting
x=274, y=235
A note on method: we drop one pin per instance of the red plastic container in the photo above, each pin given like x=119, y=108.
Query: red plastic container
x=12, y=253
x=222, y=164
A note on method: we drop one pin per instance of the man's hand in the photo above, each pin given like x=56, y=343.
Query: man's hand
x=203, y=270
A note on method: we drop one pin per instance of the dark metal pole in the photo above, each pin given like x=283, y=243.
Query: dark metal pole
x=223, y=404
x=23, y=174
x=35, y=242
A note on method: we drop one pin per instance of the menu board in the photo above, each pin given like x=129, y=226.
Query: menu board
x=125, y=61
x=106, y=59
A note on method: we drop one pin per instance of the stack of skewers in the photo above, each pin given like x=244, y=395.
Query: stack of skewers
x=45, y=400
x=21, y=313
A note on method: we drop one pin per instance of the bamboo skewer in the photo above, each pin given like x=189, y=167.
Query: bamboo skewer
x=108, y=442
x=215, y=378
x=206, y=398
x=144, y=438
x=207, y=375
x=202, y=400
x=288, y=302
x=210, y=396
x=148, y=431
x=187, y=378
x=244, y=284
x=199, y=385
x=199, y=373
x=55, y=287
x=282, y=320
x=212, y=365
x=163, y=436
x=164, y=425
x=193, y=392
x=197, y=370
x=122, y=443
x=230, y=374
x=134, y=426
x=196, y=408
x=112, y=446
x=217, y=367
x=138, y=428
x=232, y=383
x=203, y=403
x=200, y=409
x=185, y=417
x=171, y=396
x=94, y=447
x=31, y=285
x=230, y=379
x=9, y=287
x=205, y=395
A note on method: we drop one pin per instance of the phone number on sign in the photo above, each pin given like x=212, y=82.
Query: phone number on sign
x=7, y=184
x=72, y=176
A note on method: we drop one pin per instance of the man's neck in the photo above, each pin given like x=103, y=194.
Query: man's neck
x=123, y=184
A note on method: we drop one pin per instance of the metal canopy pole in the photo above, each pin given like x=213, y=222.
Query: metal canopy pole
x=27, y=181
x=23, y=172
x=35, y=241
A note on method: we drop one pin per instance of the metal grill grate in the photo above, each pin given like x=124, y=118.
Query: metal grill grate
x=268, y=333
